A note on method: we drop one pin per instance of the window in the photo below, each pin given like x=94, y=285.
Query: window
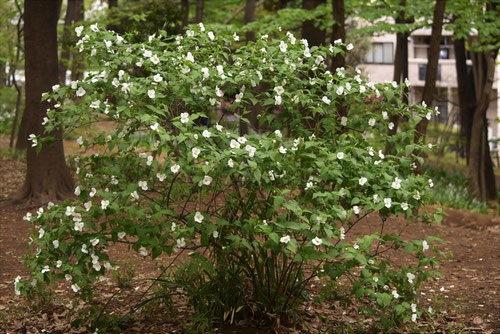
x=422, y=70
x=380, y=53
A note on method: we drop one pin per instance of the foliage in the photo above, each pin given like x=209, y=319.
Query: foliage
x=452, y=191
x=144, y=18
x=8, y=97
x=261, y=214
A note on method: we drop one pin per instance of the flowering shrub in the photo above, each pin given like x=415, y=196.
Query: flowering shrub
x=274, y=209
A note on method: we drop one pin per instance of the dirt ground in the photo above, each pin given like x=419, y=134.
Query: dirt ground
x=466, y=299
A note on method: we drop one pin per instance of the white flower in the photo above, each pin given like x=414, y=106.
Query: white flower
x=55, y=243
x=135, y=195
x=343, y=121
x=104, y=204
x=242, y=140
x=391, y=126
x=79, y=226
x=155, y=60
x=94, y=27
x=396, y=184
x=414, y=317
x=371, y=122
x=236, y=37
x=121, y=234
x=219, y=127
x=155, y=127
x=206, y=180
x=340, y=90
x=70, y=210
x=34, y=141
x=428, y=116
x=340, y=155
x=387, y=202
x=143, y=185
x=285, y=239
x=151, y=93
x=77, y=191
x=362, y=89
x=204, y=70
x=181, y=243
x=184, y=117
x=251, y=150
x=75, y=287
x=143, y=251
x=425, y=245
x=41, y=233
x=385, y=115
x=230, y=163
x=215, y=234
x=195, y=151
x=326, y=99
x=175, y=168
x=283, y=46
x=79, y=141
x=362, y=181
x=198, y=217
x=161, y=176
x=189, y=57
x=279, y=90
x=234, y=144
x=349, y=46
x=206, y=134
x=319, y=60
x=202, y=27
x=395, y=294
x=411, y=277
x=84, y=249
x=317, y=241
x=404, y=206
x=45, y=121
x=282, y=150
x=355, y=209
x=158, y=78
x=307, y=52
x=92, y=192
x=78, y=31
x=80, y=91
x=94, y=242
x=431, y=184
x=380, y=154
x=211, y=35
x=277, y=100
x=355, y=246
x=342, y=233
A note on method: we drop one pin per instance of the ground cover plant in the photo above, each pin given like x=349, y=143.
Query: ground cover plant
x=260, y=214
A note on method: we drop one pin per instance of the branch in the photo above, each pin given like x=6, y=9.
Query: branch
x=239, y=10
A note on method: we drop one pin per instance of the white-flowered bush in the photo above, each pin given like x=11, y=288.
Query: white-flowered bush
x=275, y=207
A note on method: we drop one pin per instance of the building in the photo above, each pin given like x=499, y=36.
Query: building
x=379, y=66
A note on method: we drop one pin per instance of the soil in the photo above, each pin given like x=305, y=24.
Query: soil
x=467, y=298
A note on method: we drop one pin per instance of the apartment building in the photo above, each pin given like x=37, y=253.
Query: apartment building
x=379, y=66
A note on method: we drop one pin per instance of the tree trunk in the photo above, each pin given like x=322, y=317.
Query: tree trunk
x=77, y=59
x=111, y=3
x=47, y=176
x=200, y=4
x=250, y=6
x=480, y=169
x=250, y=17
x=432, y=65
x=184, y=14
x=338, y=32
x=73, y=14
x=315, y=36
x=466, y=96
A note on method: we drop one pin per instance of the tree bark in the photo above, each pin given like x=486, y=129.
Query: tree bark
x=47, y=176
x=200, y=4
x=111, y=3
x=432, y=66
x=466, y=96
x=338, y=32
x=314, y=35
x=480, y=170
x=74, y=13
x=184, y=14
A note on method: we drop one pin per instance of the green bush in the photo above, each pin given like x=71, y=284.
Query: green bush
x=263, y=214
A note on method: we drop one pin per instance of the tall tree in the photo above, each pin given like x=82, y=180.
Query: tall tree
x=314, y=35
x=74, y=13
x=432, y=65
x=338, y=31
x=185, y=4
x=47, y=176
x=200, y=5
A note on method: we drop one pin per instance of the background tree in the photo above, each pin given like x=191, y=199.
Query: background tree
x=47, y=176
x=74, y=13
